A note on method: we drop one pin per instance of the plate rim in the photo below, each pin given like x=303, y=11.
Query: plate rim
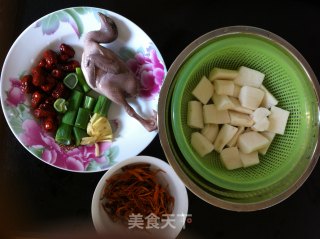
x=5, y=65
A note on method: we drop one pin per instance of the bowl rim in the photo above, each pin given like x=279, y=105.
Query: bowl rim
x=163, y=99
x=179, y=187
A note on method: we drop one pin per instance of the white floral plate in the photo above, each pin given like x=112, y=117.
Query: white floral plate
x=69, y=26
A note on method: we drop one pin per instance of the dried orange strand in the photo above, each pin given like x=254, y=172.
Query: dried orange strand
x=136, y=190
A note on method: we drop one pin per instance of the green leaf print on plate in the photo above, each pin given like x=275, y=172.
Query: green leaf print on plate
x=111, y=154
x=51, y=23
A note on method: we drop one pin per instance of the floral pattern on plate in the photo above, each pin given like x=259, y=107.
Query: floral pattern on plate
x=143, y=59
x=148, y=69
x=50, y=23
x=43, y=145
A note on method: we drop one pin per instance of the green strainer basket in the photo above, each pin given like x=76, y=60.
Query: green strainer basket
x=285, y=77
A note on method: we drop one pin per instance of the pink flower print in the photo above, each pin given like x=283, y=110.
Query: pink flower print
x=35, y=137
x=50, y=156
x=76, y=159
x=79, y=158
x=148, y=84
x=150, y=72
x=15, y=96
x=75, y=163
x=32, y=133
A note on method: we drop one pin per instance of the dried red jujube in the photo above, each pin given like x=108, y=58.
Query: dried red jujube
x=38, y=76
x=49, y=124
x=26, y=84
x=51, y=59
x=36, y=99
x=67, y=50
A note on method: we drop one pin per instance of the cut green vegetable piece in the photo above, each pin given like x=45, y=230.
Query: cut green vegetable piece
x=78, y=88
x=83, y=118
x=92, y=94
x=71, y=80
x=89, y=103
x=79, y=134
x=82, y=80
x=102, y=105
x=69, y=117
x=63, y=134
x=74, y=103
x=60, y=105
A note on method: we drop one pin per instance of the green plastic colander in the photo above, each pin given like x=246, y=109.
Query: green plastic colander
x=285, y=77
x=221, y=197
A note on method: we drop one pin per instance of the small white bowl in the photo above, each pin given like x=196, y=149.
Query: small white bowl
x=103, y=224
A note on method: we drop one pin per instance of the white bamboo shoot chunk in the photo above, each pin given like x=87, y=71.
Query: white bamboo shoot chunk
x=270, y=136
x=222, y=74
x=236, y=91
x=224, y=136
x=203, y=90
x=201, y=144
x=249, y=77
x=251, y=141
x=251, y=97
x=261, y=125
x=234, y=139
x=268, y=100
x=260, y=113
x=240, y=119
x=224, y=87
x=260, y=117
x=222, y=102
x=211, y=115
x=237, y=106
x=278, y=120
x=249, y=159
x=210, y=131
x=230, y=158
x=195, y=115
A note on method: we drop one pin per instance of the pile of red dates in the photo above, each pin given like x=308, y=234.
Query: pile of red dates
x=45, y=83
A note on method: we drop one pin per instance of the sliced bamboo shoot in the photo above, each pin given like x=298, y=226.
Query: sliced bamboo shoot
x=237, y=106
x=251, y=141
x=222, y=74
x=222, y=102
x=270, y=136
x=249, y=77
x=224, y=87
x=234, y=139
x=194, y=115
x=210, y=131
x=278, y=120
x=224, y=136
x=203, y=90
x=211, y=115
x=240, y=119
x=251, y=97
x=268, y=100
x=230, y=158
x=249, y=159
x=201, y=144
